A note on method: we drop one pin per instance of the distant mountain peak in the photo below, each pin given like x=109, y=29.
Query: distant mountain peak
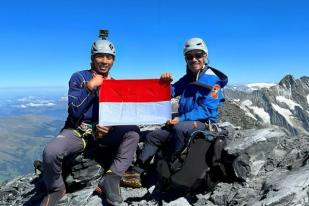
x=305, y=78
x=285, y=105
x=287, y=82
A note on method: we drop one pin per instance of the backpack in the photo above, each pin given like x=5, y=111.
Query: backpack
x=199, y=164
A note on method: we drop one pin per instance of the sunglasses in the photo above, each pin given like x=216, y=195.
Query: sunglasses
x=192, y=56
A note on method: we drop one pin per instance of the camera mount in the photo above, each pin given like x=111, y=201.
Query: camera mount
x=103, y=33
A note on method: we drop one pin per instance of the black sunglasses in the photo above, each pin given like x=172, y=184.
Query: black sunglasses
x=192, y=56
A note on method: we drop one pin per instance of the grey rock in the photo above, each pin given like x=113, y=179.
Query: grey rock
x=203, y=199
x=243, y=197
x=272, y=165
x=222, y=194
x=290, y=188
x=232, y=112
x=253, y=150
x=84, y=172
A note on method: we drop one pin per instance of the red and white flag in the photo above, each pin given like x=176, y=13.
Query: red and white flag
x=134, y=102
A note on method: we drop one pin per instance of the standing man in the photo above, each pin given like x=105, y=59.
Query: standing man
x=200, y=97
x=82, y=127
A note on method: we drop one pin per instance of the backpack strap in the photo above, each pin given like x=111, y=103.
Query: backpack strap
x=217, y=156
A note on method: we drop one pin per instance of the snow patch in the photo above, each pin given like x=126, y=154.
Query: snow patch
x=244, y=106
x=246, y=103
x=288, y=102
x=256, y=86
x=260, y=112
x=308, y=98
x=284, y=112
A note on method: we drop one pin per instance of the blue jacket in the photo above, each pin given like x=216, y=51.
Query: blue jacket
x=201, y=97
x=83, y=105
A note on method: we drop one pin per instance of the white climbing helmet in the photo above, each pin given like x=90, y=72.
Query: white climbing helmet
x=195, y=43
x=102, y=45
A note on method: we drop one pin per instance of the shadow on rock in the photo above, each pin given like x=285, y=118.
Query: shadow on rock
x=37, y=193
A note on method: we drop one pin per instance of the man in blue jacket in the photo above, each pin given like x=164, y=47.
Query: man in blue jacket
x=200, y=96
x=81, y=127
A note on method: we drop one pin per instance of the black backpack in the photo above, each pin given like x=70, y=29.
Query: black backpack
x=198, y=166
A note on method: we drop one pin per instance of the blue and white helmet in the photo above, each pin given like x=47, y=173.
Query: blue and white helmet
x=193, y=44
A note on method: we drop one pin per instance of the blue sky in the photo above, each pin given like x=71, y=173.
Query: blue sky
x=44, y=41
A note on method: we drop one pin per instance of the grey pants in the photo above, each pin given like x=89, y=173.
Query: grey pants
x=174, y=137
x=67, y=145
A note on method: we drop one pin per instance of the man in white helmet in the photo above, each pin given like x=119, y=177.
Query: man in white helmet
x=200, y=96
x=81, y=128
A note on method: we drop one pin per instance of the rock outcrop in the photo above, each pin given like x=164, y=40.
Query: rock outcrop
x=271, y=168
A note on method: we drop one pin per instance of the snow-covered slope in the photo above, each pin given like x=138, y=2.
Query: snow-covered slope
x=285, y=104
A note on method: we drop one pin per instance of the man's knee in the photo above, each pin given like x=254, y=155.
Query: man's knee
x=182, y=127
x=133, y=136
x=51, y=153
x=154, y=138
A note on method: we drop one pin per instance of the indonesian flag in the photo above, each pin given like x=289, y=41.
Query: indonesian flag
x=134, y=102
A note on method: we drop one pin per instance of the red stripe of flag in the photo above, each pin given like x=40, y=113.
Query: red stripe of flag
x=135, y=90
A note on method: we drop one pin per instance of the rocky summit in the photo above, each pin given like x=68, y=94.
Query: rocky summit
x=271, y=169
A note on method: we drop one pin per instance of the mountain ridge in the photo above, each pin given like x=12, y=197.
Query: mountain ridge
x=285, y=104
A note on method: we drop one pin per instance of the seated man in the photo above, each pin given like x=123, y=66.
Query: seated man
x=200, y=96
x=82, y=126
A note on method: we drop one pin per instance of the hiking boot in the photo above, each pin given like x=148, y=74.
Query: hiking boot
x=52, y=198
x=38, y=168
x=131, y=178
x=109, y=185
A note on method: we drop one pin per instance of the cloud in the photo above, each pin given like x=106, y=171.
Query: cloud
x=26, y=99
x=32, y=104
x=64, y=98
x=31, y=101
